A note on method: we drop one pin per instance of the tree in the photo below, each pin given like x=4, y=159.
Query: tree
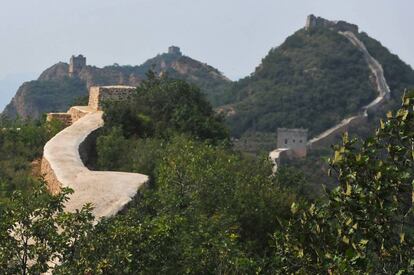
x=35, y=232
x=209, y=210
x=162, y=107
x=366, y=226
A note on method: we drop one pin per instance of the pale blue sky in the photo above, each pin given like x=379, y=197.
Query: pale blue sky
x=231, y=35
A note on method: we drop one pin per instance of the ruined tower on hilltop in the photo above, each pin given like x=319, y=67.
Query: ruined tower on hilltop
x=293, y=139
x=174, y=50
x=313, y=22
x=77, y=63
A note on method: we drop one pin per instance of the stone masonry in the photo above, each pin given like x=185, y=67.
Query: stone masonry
x=77, y=63
x=99, y=94
x=174, y=50
x=293, y=139
x=65, y=118
x=313, y=22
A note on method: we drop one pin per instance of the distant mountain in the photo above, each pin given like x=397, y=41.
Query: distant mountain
x=313, y=80
x=58, y=87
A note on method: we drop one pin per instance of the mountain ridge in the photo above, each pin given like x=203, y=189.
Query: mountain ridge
x=55, y=89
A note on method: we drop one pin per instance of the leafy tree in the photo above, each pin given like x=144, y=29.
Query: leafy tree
x=20, y=143
x=35, y=232
x=366, y=224
x=163, y=106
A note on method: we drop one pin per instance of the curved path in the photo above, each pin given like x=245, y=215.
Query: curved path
x=381, y=86
x=108, y=191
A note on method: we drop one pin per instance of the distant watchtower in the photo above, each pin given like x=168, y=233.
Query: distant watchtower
x=174, y=50
x=310, y=22
x=294, y=139
x=313, y=22
x=77, y=63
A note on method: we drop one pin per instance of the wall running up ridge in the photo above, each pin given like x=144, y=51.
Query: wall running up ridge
x=383, y=93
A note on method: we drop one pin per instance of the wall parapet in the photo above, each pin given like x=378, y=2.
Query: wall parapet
x=65, y=118
x=100, y=94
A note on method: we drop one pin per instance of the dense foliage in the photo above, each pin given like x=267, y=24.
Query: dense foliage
x=136, y=131
x=35, y=231
x=366, y=224
x=209, y=209
x=161, y=107
x=20, y=144
x=198, y=216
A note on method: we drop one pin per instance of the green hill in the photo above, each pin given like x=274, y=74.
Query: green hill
x=313, y=80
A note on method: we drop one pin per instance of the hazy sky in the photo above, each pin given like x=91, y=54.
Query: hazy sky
x=231, y=35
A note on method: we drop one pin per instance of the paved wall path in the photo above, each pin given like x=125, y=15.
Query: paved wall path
x=62, y=165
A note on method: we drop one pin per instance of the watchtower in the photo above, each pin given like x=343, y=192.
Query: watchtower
x=310, y=22
x=174, y=50
x=293, y=139
x=77, y=63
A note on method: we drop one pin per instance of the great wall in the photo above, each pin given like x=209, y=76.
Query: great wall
x=64, y=156
x=384, y=92
x=109, y=192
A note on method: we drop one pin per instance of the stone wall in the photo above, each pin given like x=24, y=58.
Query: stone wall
x=97, y=95
x=63, y=117
x=335, y=136
x=294, y=139
x=49, y=176
x=77, y=112
x=313, y=22
x=63, y=166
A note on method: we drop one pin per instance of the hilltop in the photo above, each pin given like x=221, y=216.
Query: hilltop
x=313, y=80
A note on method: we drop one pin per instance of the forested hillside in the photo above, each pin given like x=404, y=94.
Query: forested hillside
x=313, y=80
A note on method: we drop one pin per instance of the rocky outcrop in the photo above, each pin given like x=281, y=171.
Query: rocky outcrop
x=57, y=71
